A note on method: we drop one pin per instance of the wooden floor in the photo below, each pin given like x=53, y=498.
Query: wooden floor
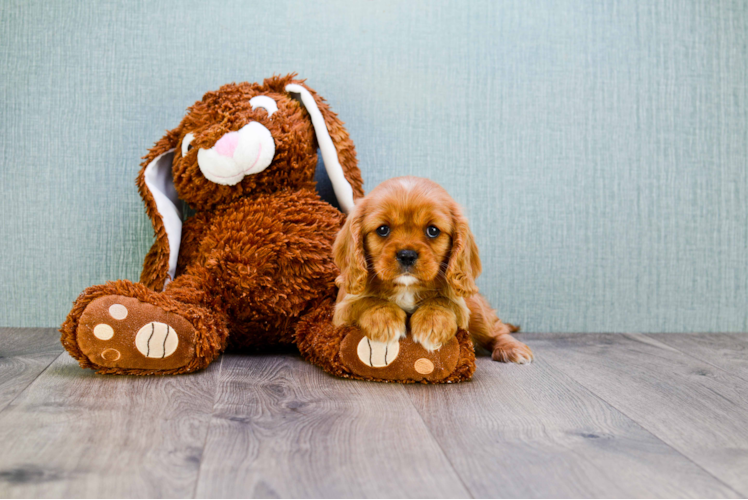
x=596, y=416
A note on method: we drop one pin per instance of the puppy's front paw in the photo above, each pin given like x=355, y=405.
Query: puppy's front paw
x=510, y=350
x=383, y=323
x=432, y=326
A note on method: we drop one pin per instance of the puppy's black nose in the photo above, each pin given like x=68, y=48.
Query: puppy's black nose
x=407, y=258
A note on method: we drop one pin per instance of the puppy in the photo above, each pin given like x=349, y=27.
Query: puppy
x=406, y=253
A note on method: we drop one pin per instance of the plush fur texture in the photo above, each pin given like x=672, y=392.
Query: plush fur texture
x=409, y=261
x=255, y=266
x=256, y=256
x=226, y=110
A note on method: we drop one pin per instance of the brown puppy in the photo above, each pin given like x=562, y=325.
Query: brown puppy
x=406, y=251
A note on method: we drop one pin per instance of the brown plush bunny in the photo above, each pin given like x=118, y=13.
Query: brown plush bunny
x=253, y=266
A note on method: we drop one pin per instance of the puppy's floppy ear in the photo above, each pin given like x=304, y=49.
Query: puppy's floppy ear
x=164, y=208
x=464, y=263
x=336, y=146
x=348, y=252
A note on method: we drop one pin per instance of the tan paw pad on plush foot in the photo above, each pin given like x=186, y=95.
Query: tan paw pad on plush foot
x=377, y=354
x=115, y=331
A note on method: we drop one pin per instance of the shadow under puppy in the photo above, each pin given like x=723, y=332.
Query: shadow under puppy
x=406, y=253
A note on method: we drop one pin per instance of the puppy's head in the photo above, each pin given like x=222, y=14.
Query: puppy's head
x=408, y=231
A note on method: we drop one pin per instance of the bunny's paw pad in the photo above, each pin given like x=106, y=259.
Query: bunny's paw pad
x=116, y=331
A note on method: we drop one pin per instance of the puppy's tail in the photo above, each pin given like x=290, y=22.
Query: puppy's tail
x=513, y=328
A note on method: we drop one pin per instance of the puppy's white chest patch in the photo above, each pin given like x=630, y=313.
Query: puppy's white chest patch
x=405, y=299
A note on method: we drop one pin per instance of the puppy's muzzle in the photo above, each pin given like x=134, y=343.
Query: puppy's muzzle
x=406, y=258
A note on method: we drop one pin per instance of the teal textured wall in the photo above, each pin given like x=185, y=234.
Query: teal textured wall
x=600, y=147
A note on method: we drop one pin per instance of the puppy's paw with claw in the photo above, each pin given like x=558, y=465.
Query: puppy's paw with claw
x=433, y=326
x=383, y=323
x=512, y=351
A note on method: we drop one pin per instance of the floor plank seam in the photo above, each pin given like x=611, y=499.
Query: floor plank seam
x=436, y=440
x=720, y=368
x=23, y=391
x=642, y=426
x=207, y=431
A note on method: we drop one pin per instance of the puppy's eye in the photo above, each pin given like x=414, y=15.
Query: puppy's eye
x=187, y=143
x=264, y=102
x=432, y=231
x=383, y=230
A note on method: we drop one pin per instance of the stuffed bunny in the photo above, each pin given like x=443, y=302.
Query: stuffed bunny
x=253, y=266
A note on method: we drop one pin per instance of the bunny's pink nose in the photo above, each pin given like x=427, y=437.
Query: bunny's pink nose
x=226, y=145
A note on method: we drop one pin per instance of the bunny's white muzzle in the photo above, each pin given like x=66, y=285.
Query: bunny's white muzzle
x=245, y=152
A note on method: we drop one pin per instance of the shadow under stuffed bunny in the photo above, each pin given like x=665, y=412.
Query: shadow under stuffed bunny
x=252, y=267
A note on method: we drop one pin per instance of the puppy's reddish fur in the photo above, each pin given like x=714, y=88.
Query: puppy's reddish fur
x=437, y=293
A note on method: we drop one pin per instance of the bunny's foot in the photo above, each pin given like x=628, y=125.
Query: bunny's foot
x=138, y=332
x=122, y=332
x=347, y=352
x=401, y=360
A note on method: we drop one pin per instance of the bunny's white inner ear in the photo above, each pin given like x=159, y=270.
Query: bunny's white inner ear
x=341, y=186
x=159, y=181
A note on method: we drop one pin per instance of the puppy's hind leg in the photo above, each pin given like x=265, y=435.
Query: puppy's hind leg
x=488, y=331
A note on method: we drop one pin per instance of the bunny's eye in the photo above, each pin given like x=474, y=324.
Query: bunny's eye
x=264, y=102
x=187, y=143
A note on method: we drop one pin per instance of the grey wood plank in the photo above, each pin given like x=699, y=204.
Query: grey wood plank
x=728, y=351
x=697, y=409
x=24, y=354
x=72, y=433
x=531, y=431
x=284, y=428
x=28, y=341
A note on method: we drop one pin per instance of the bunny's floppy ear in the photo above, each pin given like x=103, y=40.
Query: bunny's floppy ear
x=338, y=152
x=348, y=252
x=164, y=208
x=464, y=264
